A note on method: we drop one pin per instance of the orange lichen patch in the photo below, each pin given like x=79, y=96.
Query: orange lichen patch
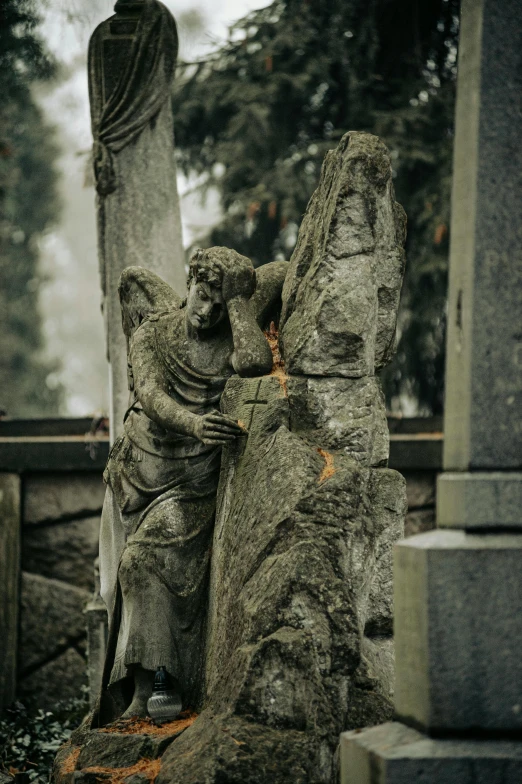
x=70, y=762
x=329, y=467
x=150, y=768
x=278, y=366
x=242, y=425
x=147, y=727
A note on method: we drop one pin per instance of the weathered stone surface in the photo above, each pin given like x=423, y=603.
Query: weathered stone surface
x=58, y=680
x=10, y=511
x=343, y=414
x=301, y=570
x=235, y=750
x=379, y=656
x=51, y=619
x=48, y=498
x=483, y=400
x=342, y=292
x=65, y=551
x=480, y=500
x=115, y=750
x=396, y=754
x=458, y=622
x=128, y=752
x=301, y=566
x=420, y=489
x=387, y=498
x=134, y=159
x=419, y=521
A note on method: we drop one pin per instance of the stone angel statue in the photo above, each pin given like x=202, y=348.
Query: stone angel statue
x=162, y=473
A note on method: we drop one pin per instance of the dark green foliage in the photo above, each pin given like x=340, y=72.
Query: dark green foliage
x=28, y=206
x=29, y=740
x=293, y=78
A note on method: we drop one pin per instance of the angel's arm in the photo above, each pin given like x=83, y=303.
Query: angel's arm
x=252, y=355
x=266, y=300
x=151, y=388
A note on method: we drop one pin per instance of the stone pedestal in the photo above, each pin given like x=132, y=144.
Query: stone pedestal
x=396, y=754
x=458, y=629
x=458, y=590
x=480, y=500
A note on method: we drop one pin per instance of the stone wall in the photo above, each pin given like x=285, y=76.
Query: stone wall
x=60, y=524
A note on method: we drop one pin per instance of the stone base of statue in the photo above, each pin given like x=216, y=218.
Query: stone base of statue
x=128, y=751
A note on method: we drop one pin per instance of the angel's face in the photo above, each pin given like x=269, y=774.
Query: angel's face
x=205, y=305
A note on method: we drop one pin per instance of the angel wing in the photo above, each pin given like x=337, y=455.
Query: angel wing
x=143, y=294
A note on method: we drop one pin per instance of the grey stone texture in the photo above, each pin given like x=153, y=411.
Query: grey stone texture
x=163, y=473
x=64, y=551
x=341, y=295
x=458, y=622
x=51, y=620
x=116, y=750
x=419, y=521
x=236, y=750
x=56, y=681
x=10, y=512
x=59, y=545
x=483, y=404
x=318, y=408
x=396, y=754
x=53, y=498
x=138, y=206
x=123, y=753
x=480, y=500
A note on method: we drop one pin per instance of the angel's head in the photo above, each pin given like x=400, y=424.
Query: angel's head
x=205, y=304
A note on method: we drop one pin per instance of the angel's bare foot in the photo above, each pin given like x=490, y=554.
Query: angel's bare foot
x=143, y=680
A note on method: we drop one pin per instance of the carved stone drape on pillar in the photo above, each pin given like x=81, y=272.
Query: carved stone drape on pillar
x=132, y=60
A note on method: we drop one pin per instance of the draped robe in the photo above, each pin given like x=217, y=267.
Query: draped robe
x=156, y=532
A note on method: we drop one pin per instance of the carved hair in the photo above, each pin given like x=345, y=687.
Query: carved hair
x=208, y=265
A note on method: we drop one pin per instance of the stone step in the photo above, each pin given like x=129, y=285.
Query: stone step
x=396, y=754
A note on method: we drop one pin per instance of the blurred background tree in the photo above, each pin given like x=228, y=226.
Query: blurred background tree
x=256, y=119
x=28, y=207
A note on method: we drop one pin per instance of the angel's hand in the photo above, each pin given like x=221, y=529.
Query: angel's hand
x=239, y=281
x=217, y=429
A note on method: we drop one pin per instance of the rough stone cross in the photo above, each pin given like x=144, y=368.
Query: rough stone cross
x=254, y=402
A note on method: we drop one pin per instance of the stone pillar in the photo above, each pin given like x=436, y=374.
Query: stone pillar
x=458, y=590
x=132, y=59
x=10, y=531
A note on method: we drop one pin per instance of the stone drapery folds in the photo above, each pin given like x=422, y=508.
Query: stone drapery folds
x=119, y=115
